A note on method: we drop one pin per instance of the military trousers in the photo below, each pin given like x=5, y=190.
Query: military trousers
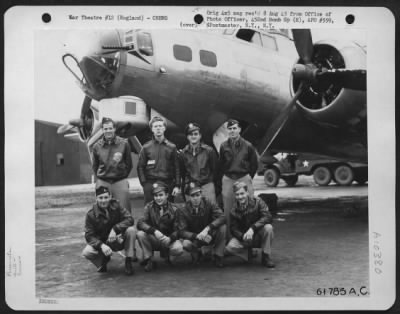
x=261, y=239
x=97, y=257
x=149, y=243
x=218, y=243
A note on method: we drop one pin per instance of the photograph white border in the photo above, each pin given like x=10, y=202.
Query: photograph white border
x=20, y=25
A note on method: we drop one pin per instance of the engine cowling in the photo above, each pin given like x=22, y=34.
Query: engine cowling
x=330, y=103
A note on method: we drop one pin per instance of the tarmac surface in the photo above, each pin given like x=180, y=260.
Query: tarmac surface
x=321, y=241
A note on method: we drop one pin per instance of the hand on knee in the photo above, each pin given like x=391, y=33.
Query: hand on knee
x=268, y=228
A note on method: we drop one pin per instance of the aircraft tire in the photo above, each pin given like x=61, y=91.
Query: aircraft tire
x=271, y=177
x=344, y=175
x=291, y=180
x=322, y=176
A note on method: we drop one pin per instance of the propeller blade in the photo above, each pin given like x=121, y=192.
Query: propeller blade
x=304, y=44
x=353, y=79
x=87, y=101
x=65, y=128
x=280, y=121
x=76, y=122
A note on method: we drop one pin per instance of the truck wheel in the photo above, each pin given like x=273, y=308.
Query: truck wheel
x=271, y=177
x=344, y=175
x=322, y=175
x=291, y=180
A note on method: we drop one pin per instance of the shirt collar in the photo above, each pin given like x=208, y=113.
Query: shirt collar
x=200, y=207
x=165, y=207
x=249, y=203
x=108, y=142
x=100, y=212
x=189, y=148
x=235, y=142
x=163, y=141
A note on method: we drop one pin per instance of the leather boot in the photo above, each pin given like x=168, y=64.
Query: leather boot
x=196, y=256
x=103, y=267
x=267, y=261
x=219, y=261
x=128, y=266
x=134, y=258
x=149, y=265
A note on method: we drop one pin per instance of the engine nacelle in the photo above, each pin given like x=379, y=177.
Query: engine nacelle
x=130, y=114
x=127, y=111
x=331, y=103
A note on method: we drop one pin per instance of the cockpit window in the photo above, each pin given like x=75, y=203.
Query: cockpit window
x=145, y=45
x=129, y=37
x=229, y=31
x=249, y=35
x=182, y=53
x=269, y=42
x=257, y=38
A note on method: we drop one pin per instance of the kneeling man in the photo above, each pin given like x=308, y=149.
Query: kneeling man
x=202, y=223
x=250, y=225
x=158, y=227
x=108, y=227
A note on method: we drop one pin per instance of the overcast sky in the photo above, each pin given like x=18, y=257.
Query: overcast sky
x=58, y=98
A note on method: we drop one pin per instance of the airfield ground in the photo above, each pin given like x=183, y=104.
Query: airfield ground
x=321, y=241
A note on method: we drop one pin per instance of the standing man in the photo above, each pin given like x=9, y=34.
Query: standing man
x=108, y=227
x=239, y=162
x=158, y=227
x=250, y=226
x=200, y=162
x=202, y=223
x=158, y=161
x=112, y=163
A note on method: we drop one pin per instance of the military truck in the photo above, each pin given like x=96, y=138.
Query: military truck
x=324, y=170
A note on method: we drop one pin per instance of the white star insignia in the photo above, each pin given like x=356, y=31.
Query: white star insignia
x=305, y=163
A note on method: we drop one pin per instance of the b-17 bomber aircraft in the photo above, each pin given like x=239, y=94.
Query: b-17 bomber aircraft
x=289, y=93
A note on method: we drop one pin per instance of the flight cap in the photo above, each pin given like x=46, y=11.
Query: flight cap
x=191, y=127
x=158, y=187
x=193, y=187
x=231, y=122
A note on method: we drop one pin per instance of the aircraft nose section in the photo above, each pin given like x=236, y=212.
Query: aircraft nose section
x=97, y=69
x=99, y=73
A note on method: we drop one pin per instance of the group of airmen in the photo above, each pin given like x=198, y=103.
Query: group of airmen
x=196, y=226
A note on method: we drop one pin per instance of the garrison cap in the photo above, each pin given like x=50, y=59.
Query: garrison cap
x=193, y=187
x=101, y=190
x=158, y=187
x=238, y=185
x=107, y=120
x=192, y=127
x=231, y=122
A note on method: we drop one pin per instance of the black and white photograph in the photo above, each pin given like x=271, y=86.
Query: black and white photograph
x=205, y=165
